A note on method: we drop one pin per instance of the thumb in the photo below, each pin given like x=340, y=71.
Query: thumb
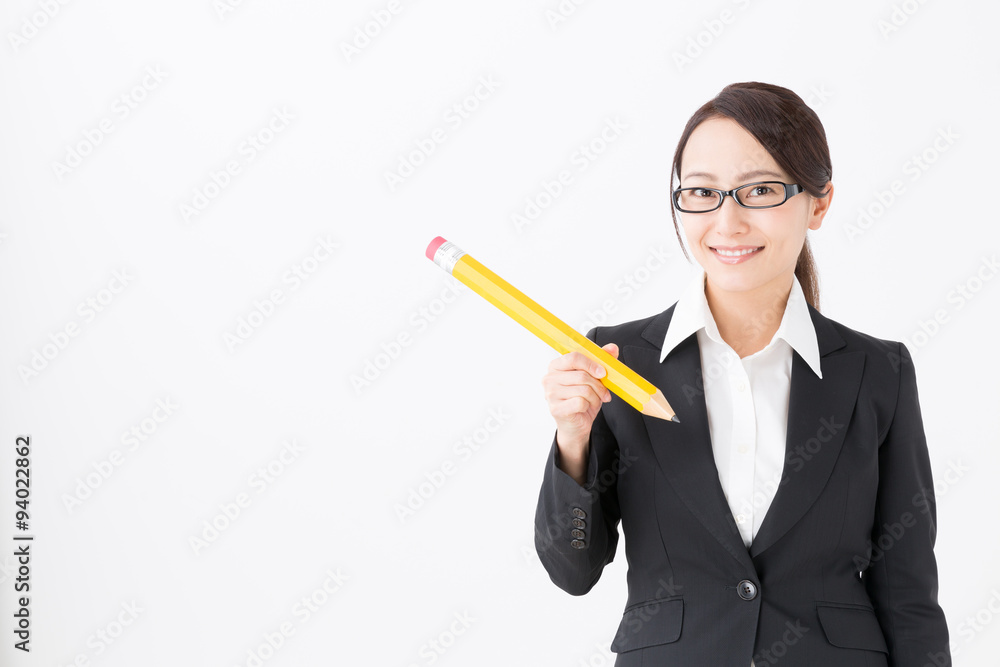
x=612, y=349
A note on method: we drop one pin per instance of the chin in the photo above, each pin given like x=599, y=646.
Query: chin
x=734, y=279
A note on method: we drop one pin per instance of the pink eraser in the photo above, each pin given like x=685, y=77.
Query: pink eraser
x=433, y=247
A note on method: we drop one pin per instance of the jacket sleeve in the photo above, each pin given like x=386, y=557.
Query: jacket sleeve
x=903, y=581
x=576, y=527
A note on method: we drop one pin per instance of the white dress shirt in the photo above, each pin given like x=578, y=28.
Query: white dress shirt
x=747, y=402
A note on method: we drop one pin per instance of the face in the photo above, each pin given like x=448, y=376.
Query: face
x=721, y=154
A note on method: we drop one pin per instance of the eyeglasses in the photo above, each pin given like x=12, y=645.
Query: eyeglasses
x=764, y=194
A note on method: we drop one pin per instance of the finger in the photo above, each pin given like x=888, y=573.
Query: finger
x=570, y=383
x=568, y=401
x=581, y=378
x=556, y=385
x=578, y=361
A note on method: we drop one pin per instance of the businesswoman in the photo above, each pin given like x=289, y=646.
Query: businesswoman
x=788, y=517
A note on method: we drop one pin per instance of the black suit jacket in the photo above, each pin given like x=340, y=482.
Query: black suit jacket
x=842, y=571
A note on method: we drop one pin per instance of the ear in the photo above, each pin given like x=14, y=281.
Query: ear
x=820, y=206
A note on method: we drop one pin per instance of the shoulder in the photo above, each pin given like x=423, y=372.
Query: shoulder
x=888, y=366
x=856, y=340
x=650, y=329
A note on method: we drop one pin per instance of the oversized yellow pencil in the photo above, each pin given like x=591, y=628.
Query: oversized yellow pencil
x=619, y=378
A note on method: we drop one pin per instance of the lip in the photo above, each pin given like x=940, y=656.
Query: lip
x=735, y=248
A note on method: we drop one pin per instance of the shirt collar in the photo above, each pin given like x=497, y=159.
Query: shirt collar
x=691, y=314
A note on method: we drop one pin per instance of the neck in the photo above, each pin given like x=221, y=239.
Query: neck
x=748, y=320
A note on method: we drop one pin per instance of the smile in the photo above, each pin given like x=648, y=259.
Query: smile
x=735, y=256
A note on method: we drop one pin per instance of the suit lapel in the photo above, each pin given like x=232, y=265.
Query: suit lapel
x=819, y=411
x=684, y=450
x=818, y=414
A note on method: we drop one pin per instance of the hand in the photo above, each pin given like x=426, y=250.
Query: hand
x=575, y=395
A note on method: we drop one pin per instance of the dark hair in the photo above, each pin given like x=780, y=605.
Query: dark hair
x=791, y=133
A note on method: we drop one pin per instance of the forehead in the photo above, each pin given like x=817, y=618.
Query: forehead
x=719, y=149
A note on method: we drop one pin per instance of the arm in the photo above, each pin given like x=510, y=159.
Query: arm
x=575, y=563
x=903, y=583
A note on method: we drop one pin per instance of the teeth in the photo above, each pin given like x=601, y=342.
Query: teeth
x=736, y=253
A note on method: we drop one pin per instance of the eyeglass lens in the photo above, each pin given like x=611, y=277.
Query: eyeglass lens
x=754, y=195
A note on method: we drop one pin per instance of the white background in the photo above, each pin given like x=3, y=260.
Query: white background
x=884, y=97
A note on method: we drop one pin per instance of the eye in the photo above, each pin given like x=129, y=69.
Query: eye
x=702, y=192
x=760, y=190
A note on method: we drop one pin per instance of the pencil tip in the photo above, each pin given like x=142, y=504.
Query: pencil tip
x=675, y=419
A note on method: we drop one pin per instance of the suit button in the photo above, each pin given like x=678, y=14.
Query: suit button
x=579, y=523
x=747, y=589
x=577, y=533
x=577, y=544
x=579, y=513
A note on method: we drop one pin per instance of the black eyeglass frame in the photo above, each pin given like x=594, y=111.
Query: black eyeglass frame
x=791, y=189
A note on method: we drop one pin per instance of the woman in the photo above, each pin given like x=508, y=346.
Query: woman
x=789, y=516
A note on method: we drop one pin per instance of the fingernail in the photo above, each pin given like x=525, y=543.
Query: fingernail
x=600, y=372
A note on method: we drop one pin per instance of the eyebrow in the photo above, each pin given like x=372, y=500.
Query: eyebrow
x=741, y=177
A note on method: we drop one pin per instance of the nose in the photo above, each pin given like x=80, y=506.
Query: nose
x=729, y=217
